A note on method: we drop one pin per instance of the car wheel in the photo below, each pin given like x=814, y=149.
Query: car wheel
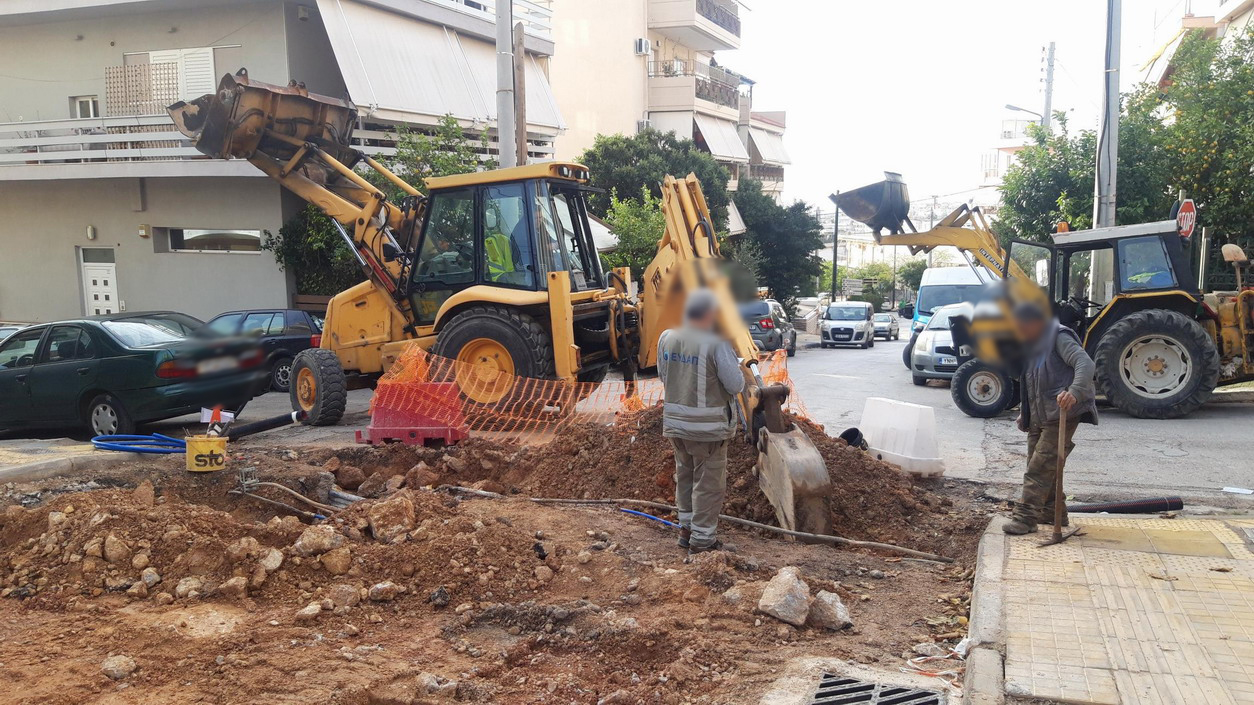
x=908, y=351
x=107, y=417
x=897, y=335
x=870, y=342
x=281, y=374
x=919, y=380
x=792, y=347
x=866, y=344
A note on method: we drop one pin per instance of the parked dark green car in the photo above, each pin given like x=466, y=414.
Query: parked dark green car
x=109, y=373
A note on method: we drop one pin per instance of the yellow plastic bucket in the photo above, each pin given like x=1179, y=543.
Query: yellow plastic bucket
x=206, y=453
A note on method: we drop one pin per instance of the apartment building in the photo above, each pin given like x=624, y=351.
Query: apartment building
x=104, y=207
x=623, y=65
x=1226, y=19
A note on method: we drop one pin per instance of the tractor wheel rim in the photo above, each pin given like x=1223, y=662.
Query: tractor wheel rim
x=104, y=420
x=984, y=388
x=306, y=389
x=485, y=370
x=283, y=374
x=1155, y=366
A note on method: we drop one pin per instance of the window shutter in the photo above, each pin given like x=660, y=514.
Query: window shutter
x=196, y=74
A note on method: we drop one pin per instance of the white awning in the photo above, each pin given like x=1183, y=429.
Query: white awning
x=735, y=223
x=402, y=69
x=770, y=146
x=721, y=138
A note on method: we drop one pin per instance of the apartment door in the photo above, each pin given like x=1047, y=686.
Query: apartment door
x=100, y=281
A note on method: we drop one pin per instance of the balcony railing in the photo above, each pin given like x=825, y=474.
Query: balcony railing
x=766, y=173
x=115, y=139
x=714, y=83
x=720, y=15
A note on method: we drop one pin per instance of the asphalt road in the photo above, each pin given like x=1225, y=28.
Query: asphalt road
x=1120, y=458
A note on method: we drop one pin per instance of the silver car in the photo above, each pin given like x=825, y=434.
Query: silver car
x=934, y=355
x=887, y=327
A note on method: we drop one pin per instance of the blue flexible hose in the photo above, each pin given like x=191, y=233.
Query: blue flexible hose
x=155, y=444
x=650, y=516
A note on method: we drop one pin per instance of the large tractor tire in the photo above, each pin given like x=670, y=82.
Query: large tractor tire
x=979, y=390
x=494, y=346
x=1157, y=364
x=318, y=387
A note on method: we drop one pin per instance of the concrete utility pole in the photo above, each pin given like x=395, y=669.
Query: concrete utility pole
x=835, y=239
x=520, y=94
x=1108, y=133
x=1046, y=116
x=506, y=135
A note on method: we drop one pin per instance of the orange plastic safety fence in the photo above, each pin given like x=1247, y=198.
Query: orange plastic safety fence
x=523, y=409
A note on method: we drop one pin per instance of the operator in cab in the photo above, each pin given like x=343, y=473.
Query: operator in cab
x=701, y=377
x=1057, y=384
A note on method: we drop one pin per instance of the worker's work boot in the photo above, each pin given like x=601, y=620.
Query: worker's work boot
x=716, y=546
x=1047, y=517
x=685, y=535
x=1014, y=527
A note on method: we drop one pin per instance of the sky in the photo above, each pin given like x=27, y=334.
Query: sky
x=919, y=86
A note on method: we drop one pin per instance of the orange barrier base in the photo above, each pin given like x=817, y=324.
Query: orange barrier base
x=416, y=425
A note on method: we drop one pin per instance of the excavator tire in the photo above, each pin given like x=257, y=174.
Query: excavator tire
x=979, y=390
x=1157, y=364
x=495, y=346
x=318, y=387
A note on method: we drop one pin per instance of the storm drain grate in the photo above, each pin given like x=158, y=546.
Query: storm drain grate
x=839, y=690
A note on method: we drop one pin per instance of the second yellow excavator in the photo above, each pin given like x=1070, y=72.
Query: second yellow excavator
x=494, y=269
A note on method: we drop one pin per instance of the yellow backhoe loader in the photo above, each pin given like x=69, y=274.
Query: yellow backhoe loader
x=1161, y=345
x=495, y=269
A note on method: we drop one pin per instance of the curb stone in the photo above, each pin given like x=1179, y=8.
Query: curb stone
x=55, y=467
x=983, y=684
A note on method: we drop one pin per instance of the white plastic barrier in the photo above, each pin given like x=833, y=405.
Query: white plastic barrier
x=903, y=434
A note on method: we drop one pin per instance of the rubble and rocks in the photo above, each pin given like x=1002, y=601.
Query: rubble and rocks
x=118, y=667
x=786, y=597
x=316, y=540
x=827, y=611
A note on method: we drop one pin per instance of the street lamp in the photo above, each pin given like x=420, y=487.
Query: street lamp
x=1024, y=110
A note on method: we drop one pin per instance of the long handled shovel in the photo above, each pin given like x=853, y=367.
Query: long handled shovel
x=1060, y=497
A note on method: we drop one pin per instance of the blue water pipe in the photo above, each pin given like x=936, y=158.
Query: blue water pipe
x=156, y=444
x=650, y=516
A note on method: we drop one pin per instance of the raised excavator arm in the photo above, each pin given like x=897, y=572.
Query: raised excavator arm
x=790, y=470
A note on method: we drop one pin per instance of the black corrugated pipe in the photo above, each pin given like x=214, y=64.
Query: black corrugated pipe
x=1132, y=506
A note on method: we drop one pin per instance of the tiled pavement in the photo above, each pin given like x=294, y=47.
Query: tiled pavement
x=1134, y=611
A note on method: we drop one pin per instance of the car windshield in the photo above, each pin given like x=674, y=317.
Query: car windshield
x=940, y=320
x=137, y=334
x=933, y=296
x=883, y=318
x=845, y=313
x=178, y=323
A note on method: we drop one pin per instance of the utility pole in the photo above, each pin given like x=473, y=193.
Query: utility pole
x=520, y=94
x=1046, y=116
x=1108, y=133
x=835, y=239
x=506, y=137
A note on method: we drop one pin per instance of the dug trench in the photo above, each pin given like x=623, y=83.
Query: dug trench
x=150, y=585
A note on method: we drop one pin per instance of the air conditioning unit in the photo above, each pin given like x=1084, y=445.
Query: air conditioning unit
x=642, y=125
x=644, y=47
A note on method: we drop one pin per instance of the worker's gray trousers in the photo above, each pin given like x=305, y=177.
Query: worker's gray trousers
x=700, y=481
x=1037, y=505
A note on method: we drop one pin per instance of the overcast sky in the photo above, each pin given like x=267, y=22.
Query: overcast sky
x=918, y=86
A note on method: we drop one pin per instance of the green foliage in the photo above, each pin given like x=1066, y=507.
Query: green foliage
x=786, y=239
x=878, y=292
x=639, y=225
x=910, y=274
x=746, y=269
x=1196, y=134
x=309, y=246
x=629, y=164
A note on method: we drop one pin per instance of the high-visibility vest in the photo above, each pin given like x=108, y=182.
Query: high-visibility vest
x=697, y=407
x=500, y=255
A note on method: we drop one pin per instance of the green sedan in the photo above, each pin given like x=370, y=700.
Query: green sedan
x=110, y=373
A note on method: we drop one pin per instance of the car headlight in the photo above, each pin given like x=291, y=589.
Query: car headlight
x=925, y=341
x=919, y=326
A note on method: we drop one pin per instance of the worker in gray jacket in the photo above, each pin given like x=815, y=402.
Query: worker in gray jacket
x=701, y=377
x=1057, y=384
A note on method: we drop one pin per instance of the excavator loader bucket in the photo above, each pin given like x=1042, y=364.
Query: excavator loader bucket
x=882, y=206
x=794, y=478
x=244, y=116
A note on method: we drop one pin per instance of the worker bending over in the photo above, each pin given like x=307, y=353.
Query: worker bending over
x=701, y=378
x=1057, y=383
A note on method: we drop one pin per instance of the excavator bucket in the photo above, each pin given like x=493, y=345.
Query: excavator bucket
x=882, y=206
x=245, y=115
x=794, y=478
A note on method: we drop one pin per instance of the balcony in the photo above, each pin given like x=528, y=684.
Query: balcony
x=677, y=85
x=704, y=25
x=767, y=174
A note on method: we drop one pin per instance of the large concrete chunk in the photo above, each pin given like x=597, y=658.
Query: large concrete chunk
x=786, y=597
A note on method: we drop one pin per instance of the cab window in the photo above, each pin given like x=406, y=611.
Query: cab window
x=446, y=257
x=18, y=350
x=1143, y=264
x=508, y=254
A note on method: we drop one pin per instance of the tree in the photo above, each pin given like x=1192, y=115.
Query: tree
x=628, y=164
x=746, y=267
x=877, y=278
x=639, y=225
x=910, y=274
x=308, y=244
x=786, y=239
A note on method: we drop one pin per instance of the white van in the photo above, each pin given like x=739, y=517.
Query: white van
x=942, y=286
x=847, y=323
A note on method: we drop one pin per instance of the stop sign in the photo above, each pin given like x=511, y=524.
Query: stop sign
x=1186, y=218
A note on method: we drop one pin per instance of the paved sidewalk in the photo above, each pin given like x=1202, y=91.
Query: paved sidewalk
x=1134, y=611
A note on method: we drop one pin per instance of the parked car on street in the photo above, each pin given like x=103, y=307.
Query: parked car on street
x=769, y=325
x=934, y=355
x=6, y=331
x=110, y=373
x=283, y=334
x=847, y=323
x=886, y=326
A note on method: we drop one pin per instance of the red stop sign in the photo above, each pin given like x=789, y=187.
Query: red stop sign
x=1186, y=219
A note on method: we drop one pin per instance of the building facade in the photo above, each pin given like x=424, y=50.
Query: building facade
x=625, y=65
x=104, y=207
